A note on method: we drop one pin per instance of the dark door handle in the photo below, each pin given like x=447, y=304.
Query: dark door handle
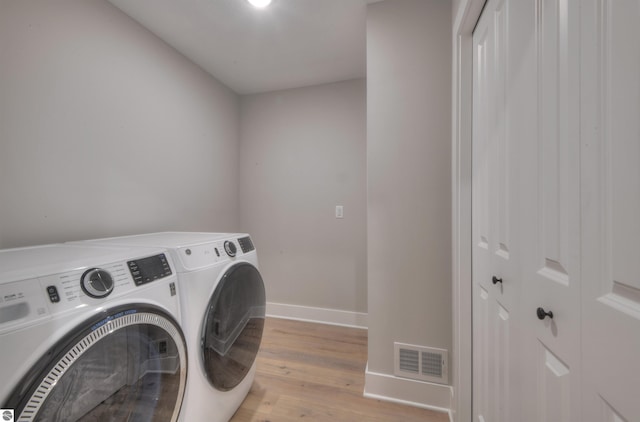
x=496, y=280
x=542, y=314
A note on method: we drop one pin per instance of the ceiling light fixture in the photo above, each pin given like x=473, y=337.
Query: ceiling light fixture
x=260, y=3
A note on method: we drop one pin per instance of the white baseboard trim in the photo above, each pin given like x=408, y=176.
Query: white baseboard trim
x=421, y=394
x=319, y=315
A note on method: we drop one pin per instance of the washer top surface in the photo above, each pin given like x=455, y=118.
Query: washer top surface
x=168, y=239
x=37, y=261
x=191, y=251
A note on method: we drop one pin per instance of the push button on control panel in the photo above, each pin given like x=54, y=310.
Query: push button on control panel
x=53, y=294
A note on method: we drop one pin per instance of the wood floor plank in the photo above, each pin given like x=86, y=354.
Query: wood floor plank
x=315, y=372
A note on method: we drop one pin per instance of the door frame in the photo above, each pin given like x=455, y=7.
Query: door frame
x=465, y=18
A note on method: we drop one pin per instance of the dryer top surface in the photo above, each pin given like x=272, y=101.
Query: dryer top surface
x=173, y=240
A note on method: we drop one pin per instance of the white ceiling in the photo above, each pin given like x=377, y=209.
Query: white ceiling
x=291, y=43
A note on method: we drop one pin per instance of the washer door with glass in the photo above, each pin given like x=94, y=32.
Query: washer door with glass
x=128, y=364
x=233, y=325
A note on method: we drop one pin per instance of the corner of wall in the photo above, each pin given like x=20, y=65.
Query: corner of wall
x=317, y=315
x=426, y=395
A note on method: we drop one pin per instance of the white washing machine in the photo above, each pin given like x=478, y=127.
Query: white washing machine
x=223, y=309
x=90, y=333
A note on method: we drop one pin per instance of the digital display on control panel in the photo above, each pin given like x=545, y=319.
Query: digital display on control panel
x=149, y=269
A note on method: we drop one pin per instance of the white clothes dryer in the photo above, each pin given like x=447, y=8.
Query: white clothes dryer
x=223, y=309
x=90, y=333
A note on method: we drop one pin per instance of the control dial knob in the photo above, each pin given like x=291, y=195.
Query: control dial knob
x=230, y=248
x=96, y=283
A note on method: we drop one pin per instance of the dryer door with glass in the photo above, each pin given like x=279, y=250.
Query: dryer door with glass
x=233, y=325
x=128, y=363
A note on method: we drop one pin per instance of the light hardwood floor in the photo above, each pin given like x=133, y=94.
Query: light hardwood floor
x=315, y=372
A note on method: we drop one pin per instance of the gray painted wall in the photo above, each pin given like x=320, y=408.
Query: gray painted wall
x=303, y=152
x=455, y=5
x=409, y=183
x=105, y=130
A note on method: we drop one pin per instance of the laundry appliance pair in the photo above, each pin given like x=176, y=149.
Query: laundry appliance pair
x=222, y=298
x=215, y=306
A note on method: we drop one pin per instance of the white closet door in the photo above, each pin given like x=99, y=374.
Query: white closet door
x=611, y=211
x=496, y=284
x=556, y=211
x=551, y=209
x=481, y=257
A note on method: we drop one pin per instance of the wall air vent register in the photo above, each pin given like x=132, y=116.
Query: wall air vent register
x=421, y=363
